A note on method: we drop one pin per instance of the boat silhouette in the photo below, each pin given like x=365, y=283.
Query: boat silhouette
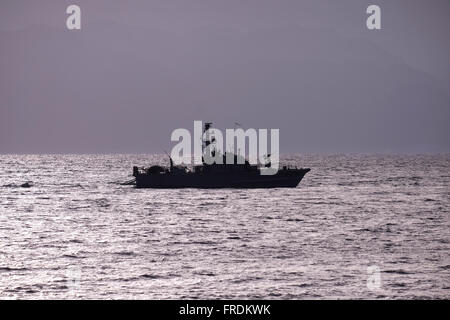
x=238, y=174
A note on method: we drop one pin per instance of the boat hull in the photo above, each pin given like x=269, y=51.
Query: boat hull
x=283, y=179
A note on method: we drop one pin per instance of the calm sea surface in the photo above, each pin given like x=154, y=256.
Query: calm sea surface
x=357, y=226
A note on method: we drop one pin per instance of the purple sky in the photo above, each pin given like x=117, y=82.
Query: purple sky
x=139, y=69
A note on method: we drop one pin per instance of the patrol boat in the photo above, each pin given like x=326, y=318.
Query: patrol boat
x=239, y=174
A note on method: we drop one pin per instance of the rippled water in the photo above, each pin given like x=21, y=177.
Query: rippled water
x=78, y=232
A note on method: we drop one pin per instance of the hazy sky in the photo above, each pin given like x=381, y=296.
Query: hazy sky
x=139, y=69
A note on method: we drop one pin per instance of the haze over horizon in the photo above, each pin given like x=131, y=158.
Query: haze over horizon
x=139, y=69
